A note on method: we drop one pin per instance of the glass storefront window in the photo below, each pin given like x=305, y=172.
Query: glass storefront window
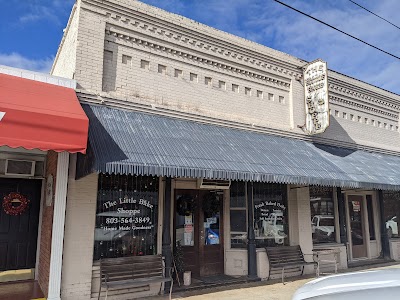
x=185, y=218
x=238, y=214
x=391, y=211
x=126, y=216
x=322, y=214
x=270, y=214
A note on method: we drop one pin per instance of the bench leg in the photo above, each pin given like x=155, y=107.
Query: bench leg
x=99, y=291
x=283, y=275
x=318, y=269
x=106, y=292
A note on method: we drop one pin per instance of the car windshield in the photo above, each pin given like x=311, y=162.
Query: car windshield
x=326, y=222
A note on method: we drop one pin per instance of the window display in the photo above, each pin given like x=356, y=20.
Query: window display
x=270, y=214
x=391, y=210
x=322, y=214
x=126, y=217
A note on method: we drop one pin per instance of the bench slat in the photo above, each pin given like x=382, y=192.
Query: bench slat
x=132, y=271
x=286, y=256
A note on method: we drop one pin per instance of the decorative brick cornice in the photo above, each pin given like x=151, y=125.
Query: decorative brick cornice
x=267, y=79
x=360, y=106
x=167, y=30
x=363, y=96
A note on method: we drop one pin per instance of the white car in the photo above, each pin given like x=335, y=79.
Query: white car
x=367, y=285
x=391, y=227
x=323, y=226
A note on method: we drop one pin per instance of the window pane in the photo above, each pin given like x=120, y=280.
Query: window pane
x=238, y=214
x=371, y=220
x=212, y=217
x=391, y=210
x=126, y=216
x=322, y=214
x=270, y=214
x=238, y=221
x=186, y=203
x=238, y=196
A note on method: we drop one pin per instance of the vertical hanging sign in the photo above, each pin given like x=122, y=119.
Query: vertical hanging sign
x=316, y=97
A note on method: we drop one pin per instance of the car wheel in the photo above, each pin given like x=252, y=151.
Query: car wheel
x=390, y=232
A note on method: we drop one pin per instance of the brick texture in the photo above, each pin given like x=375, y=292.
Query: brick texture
x=46, y=227
x=106, y=44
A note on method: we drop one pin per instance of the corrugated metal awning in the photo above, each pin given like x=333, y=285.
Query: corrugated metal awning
x=126, y=142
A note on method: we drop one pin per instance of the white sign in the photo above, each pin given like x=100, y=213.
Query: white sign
x=316, y=96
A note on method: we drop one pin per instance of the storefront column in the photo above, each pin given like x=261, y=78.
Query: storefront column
x=251, y=245
x=166, y=238
x=384, y=235
x=60, y=201
x=342, y=215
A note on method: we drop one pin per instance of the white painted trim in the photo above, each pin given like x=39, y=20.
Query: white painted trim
x=39, y=235
x=57, y=240
x=366, y=227
x=377, y=221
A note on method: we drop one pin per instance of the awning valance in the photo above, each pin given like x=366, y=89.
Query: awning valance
x=127, y=142
x=37, y=115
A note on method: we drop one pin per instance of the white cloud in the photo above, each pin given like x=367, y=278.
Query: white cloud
x=18, y=61
x=50, y=10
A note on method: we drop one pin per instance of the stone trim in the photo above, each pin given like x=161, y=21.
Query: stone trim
x=132, y=18
x=364, y=95
x=369, y=109
x=196, y=58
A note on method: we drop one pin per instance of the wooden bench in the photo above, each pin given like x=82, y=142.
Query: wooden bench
x=133, y=271
x=286, y=256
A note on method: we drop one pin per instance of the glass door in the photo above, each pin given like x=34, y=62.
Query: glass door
x=211, y=243
x=356, y=219
x=198, y=230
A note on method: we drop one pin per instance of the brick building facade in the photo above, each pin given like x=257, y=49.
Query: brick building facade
x=132, y=60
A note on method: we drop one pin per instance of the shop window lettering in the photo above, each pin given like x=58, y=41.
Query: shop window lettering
x=270, y=214
x=126, y=220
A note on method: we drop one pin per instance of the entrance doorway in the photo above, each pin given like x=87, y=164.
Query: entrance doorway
x=199, y=230
x=357, y=224
x=18, y=233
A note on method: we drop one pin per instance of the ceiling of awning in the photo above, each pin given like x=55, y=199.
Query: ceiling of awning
x=127, y=142
x=37, y=115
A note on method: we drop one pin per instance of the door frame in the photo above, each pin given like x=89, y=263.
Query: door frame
x=365, y=220
x=189, y=184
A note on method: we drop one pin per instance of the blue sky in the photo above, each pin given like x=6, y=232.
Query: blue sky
x=31, y=30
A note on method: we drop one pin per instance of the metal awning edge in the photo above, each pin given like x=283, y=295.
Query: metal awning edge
x=187, y=172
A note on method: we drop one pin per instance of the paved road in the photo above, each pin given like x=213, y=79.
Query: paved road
x=256, y=291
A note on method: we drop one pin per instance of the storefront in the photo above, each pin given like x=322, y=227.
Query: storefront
x=41, y=124
x=203, y=141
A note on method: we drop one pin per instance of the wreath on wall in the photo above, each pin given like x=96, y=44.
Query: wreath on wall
x=186, y=205
x=15, y=204
x=211, y=204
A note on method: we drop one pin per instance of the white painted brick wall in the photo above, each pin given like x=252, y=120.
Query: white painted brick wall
x=140, y=31
x=79, y=238
x=65, y=62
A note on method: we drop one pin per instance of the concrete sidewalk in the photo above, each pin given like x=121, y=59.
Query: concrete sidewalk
x=265, y=290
